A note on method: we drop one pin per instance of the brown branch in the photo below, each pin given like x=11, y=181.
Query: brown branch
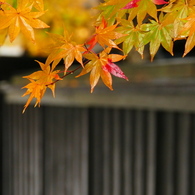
x=70, y=72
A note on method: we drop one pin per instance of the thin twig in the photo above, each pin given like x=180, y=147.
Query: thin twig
x=70, y=72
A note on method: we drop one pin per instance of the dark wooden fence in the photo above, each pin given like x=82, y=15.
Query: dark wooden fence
x=140, y=143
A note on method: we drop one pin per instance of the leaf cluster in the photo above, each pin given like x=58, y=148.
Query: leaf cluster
x=119, y=25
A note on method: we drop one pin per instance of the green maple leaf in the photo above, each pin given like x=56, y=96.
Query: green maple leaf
x=111, y=12
x=144, y=7
x=134, y=37
x=158, y=35
x=176, y=11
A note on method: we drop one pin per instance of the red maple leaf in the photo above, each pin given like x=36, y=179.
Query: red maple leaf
x=159, y=2
x=131, y=4
x=114, y=69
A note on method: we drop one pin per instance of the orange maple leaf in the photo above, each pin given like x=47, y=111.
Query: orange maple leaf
x=65, y=49
x=189, y=25
x=189, y=30
x=38, y=4
x=40, y=81
x=21, y=19
x=102, y=66
x=104, y=35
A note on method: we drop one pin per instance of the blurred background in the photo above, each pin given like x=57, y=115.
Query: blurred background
x=136, y=140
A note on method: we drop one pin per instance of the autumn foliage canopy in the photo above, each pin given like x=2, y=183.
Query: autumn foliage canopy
x=118, y=26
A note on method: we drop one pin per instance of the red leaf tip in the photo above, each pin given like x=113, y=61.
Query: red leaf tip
x=114, y=69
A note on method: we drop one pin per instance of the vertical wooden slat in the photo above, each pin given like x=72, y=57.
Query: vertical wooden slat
x=96, y=154
x=107, y=151
x=68, y=151
x=31, y=156
x=84, y=151
x=128, y=152
x=38, y=151
x=7, y=153
x=192, y=156
x=76, y=151
x=19, y=146
x=60, y=150
x=116, y=153
x=182, y=152
x=49, y=121
x=26, y=133
x=139, y=154
x=165, y=154
x=151, y=153
x=16, y=141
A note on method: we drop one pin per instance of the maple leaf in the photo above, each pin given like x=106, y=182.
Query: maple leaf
x=36, y=90
x=116, y=2
x=104, y=35
x=3, y=34
x=176, y=11
x=189, y=44
x=159, y=2
x=134, y=3
x=65, y=49
x=39, y=82
x=145, y=7
x=114, y=69
x=189, y=28
x=102, y=66
x=189, y=25
x=134, y=37
x=111, y=12
x=38, y=4
x=131, y=4
x=21, y=19
x=158, y=35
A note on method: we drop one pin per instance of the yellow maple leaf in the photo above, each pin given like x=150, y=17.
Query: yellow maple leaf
x=65, y=49
x=189, y=25
x=104, y=35
x=36, y=90
x=21, y=19
x=188, y=30
x=39, y=82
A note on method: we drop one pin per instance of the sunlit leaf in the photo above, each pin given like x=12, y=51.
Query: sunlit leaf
x=104, y=35
x=131, y=4
x=102, y=66
x=39, y=82
x=158, y=35
x=22, y=20
x=64, y=48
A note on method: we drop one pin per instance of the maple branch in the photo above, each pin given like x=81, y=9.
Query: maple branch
x=90, y=51
x=70, y=72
